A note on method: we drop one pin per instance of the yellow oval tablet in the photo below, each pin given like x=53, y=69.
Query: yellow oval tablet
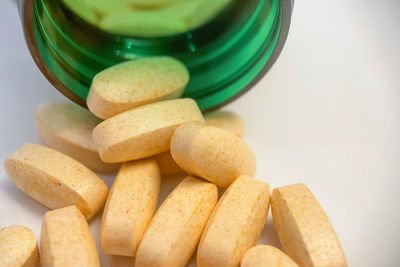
x=143, y=131
x=68, y=128
x=211, y=153
x=263, y=255
x=130, y=206
x=135, y=83
x=175, y=229
x=56, y=180
x=18, y=247
x=226, y=120
x=66, y=240
x=235, y=224
x=304, y=229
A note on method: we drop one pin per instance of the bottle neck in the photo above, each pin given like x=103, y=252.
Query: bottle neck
x=225, y=57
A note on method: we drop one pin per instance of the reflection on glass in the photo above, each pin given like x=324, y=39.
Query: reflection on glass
x=146, y=18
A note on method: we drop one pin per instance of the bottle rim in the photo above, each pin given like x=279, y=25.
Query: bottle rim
x=26, y=9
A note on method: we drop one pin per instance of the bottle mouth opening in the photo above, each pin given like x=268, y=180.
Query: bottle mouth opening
x=225, y=56
x=139, y=21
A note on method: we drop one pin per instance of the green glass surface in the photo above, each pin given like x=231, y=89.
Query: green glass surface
x=223, y=56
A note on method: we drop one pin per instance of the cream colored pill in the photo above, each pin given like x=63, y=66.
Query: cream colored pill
x=66, y=240
x=130, y=206
x=304, y=229
x=18, y=247
x=211, y=153
x=135, y=83
x=143, y=131
x=264, y=255
x=235, y=224
x=175, y=229
x=68, y=128
x=226, y=120
x=167, y=164
x=56, y=180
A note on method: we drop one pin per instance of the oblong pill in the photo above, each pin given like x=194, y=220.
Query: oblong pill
x=235, y=224
x=56, y=180
x=18, y=247
x=175, y=229
x=304, y=229
x=135, y=83
x=167, y=164
x=264, y=255
x=130, y=206
x=211, y=153
x=66, y=240
x=143, y=131
x=226, y=120
x=68, y=128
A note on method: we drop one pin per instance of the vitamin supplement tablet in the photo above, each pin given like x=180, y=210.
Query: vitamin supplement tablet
x=235, y=224
x=130, y=206
x=135, y=83
x=175, y=229
x=144, y=131
x=211, y=153
x=68, y=128
x=167, y=164
x=66, y=240
x=264, y=255
x=18, y=247
x=56, y=180
x=226, y=120
x=304, y=230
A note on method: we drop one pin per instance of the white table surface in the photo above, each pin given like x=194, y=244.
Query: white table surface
x=327, y=115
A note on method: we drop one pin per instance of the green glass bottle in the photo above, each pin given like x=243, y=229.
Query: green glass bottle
x=226, y=55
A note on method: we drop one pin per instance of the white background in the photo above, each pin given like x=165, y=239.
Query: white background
x=327, y=114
